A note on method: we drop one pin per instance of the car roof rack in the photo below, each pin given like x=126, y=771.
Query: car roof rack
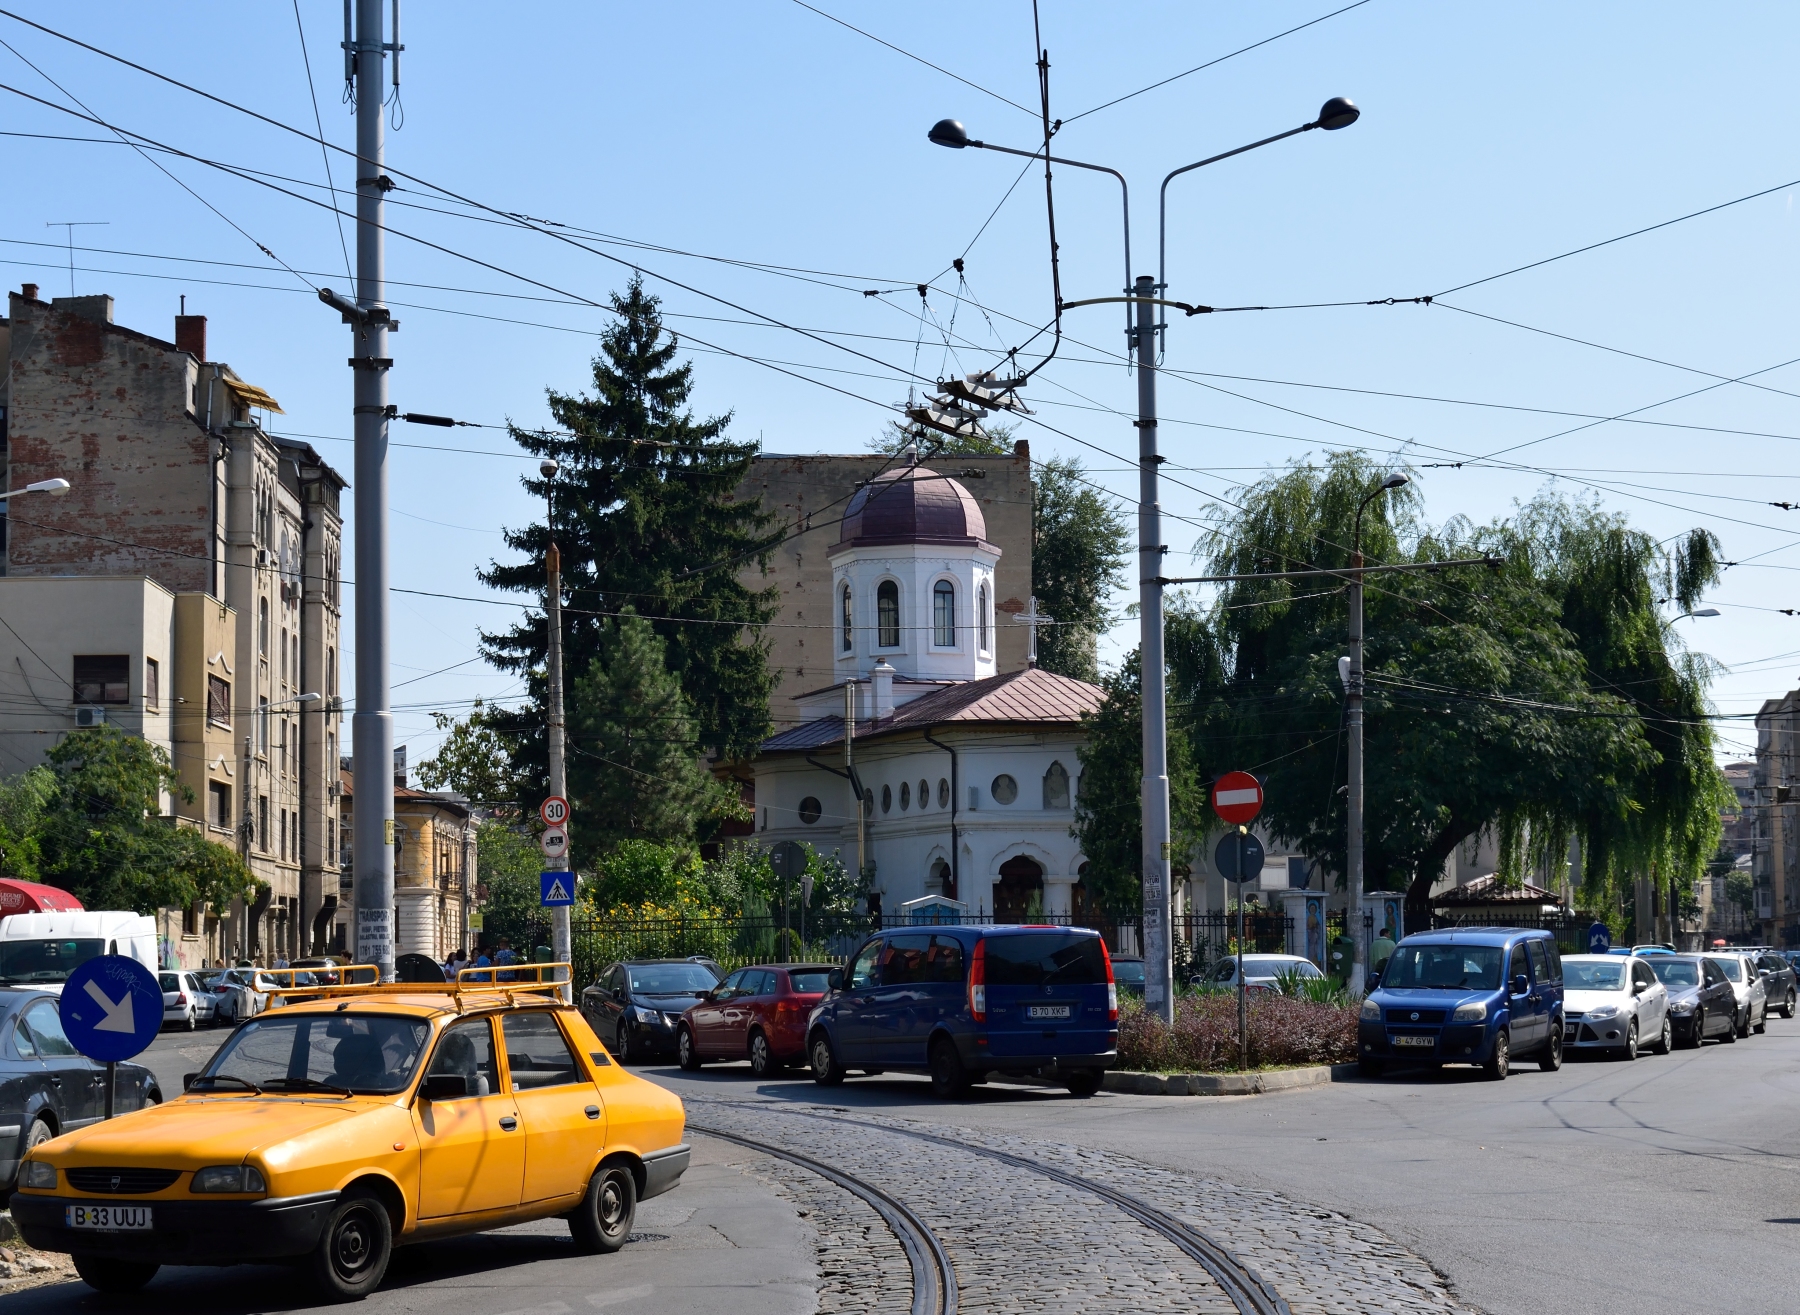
x=540, y=981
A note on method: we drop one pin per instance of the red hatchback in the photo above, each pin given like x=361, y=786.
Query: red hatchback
x=757, y=1014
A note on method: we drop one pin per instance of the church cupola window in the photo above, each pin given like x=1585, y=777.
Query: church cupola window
x=887, y=614
x=943, y=614
x=849, y=639
x=1056, y=786
x=981, y=618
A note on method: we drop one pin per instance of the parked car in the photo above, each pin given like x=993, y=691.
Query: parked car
x=961, y=1002
x=1701, y=1001
x=637, y=1004
x=757, y=1014
x=1780, y=983
x=1262, y=972
x=1469, y=995
x=46, y=1087
x=1128, y=975
x=242, y=993
x=1615, y=1004
x=185, y=1002
x=1747, y=986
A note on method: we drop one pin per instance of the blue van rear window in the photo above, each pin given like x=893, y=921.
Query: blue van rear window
x=1045, y=959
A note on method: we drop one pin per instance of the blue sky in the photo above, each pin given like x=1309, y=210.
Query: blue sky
x=759, y=131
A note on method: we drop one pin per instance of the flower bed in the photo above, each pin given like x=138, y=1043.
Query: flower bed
x=1283, y=1032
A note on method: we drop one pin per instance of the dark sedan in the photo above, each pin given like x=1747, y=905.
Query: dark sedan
x=46, y=1086
x=635, y=1006
x=1779, y=980
x=1701, y=1001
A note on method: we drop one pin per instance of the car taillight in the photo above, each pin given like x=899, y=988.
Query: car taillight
x=978, y=982
x=1112, y=988
x=181, y=999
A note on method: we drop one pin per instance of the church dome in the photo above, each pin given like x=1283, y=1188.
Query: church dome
x=911, y=505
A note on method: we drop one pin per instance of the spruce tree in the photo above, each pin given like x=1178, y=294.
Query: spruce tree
x=647, y=518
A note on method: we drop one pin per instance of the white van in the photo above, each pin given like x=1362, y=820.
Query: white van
x=42, y=949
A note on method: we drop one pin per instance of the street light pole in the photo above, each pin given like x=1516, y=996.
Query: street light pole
x=1143, y=293
x=553, y=733
x=1353, y=701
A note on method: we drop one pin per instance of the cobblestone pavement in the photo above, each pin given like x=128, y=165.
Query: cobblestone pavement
x=1024, y=1242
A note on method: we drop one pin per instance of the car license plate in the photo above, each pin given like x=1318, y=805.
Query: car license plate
x=1047, y=1011
x=1424, y=1042
x=1569, y=1031
x=109, y=1218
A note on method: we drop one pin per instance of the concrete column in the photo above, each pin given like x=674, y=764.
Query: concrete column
x=1059, y=897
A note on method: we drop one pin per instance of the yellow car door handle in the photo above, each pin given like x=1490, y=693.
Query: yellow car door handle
x=508, y=1123
x=592, y=1111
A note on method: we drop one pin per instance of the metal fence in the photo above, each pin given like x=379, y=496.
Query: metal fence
x=1571, y=932
x=1201, y=939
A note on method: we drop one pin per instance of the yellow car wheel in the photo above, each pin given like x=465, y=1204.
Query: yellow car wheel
x=603, y=1220
x=352, y=1255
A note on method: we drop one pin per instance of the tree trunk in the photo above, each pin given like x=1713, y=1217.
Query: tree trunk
x=1431, y=867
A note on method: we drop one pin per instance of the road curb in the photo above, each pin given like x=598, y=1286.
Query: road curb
x=1224, y=1084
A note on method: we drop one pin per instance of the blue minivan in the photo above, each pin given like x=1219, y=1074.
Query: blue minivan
x=961, y=1002
x=1468, y=995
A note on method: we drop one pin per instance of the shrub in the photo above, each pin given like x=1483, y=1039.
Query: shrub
x=1283, y=1031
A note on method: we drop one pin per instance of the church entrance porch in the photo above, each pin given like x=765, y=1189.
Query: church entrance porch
x=1019, y=892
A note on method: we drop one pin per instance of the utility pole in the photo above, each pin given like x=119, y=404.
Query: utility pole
x=553, y=733
x=1159, y=965
x=372, y=725
x=1353, y=838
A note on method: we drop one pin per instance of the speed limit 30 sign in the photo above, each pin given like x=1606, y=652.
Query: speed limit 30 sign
x=554, y=810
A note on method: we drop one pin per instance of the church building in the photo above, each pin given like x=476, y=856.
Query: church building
x=968, y=776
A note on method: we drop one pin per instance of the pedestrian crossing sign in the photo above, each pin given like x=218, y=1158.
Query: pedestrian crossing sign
x=556, y=889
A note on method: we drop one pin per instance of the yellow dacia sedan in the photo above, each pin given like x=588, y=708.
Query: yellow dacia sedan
x=352, y=1120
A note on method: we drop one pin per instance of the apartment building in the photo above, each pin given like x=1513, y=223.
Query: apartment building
x=1775, y=858
x=176, y=484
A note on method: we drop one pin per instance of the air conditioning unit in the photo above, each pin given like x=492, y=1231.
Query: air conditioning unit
x=88, y=718
x=264, y=557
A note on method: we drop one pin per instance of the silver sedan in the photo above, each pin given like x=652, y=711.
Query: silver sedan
x=1615, y=1003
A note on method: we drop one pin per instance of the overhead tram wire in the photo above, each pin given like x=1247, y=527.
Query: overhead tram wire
x=312, y=90
x=918, y=59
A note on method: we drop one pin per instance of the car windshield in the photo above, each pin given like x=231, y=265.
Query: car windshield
x=811, y=981
x=1045, y=959
x=1444, y=967
x=1579, y=976
x=1672, y=972
x=1732, y=968
x=671, y=978
x=46, y=960
x=1128, y=970
x=368, y=1053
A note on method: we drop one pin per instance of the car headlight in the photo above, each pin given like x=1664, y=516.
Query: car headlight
x=1370, y=1011
x=229, y=1178
x=1470, y=1013
x=1604, y=1011
x=38, y=1176
x=1682, y=1007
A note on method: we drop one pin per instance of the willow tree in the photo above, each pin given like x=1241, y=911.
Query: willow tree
x=1540, y=701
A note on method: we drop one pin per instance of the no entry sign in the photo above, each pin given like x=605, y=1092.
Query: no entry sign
x=1237, y=797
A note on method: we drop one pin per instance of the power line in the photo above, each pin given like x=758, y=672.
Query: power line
x=312, y=90
x=916, y=58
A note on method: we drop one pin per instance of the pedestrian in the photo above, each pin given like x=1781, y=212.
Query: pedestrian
x=504, y=955
x=1381, y=949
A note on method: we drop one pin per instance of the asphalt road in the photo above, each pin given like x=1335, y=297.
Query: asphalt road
x=1668, y=1181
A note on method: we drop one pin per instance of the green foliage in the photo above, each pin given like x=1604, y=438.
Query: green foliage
x=1317, y=990
x=634, y=765
x=1080, y=542
x=896, y=437
x=1740, y=892
x=508, y=863
x=99, y=831
x=646, y=516
x=476, y=759
x=23, y=802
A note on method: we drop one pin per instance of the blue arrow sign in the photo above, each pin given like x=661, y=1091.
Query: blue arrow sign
x=556, y=889
x=1599, y=939
x=112, y=1008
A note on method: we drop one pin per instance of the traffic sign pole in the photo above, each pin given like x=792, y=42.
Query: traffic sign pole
x=111, y=1009
x=1243, y=991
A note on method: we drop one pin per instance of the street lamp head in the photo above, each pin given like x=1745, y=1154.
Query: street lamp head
x=548, y=468
x=1705, y=611
x=1395, y=481
x=1338, y=112
x=948, y=132
x=307, y=698
x=57, y=487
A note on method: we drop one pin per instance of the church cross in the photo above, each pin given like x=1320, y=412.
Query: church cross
x=1033, y=618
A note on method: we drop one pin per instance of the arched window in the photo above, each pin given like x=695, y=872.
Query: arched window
x=849, y=639
x=1056, y=786
x=981, y=619
x=943, y=614
x=262, y=628
x=331, y=671
x=887, y=614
